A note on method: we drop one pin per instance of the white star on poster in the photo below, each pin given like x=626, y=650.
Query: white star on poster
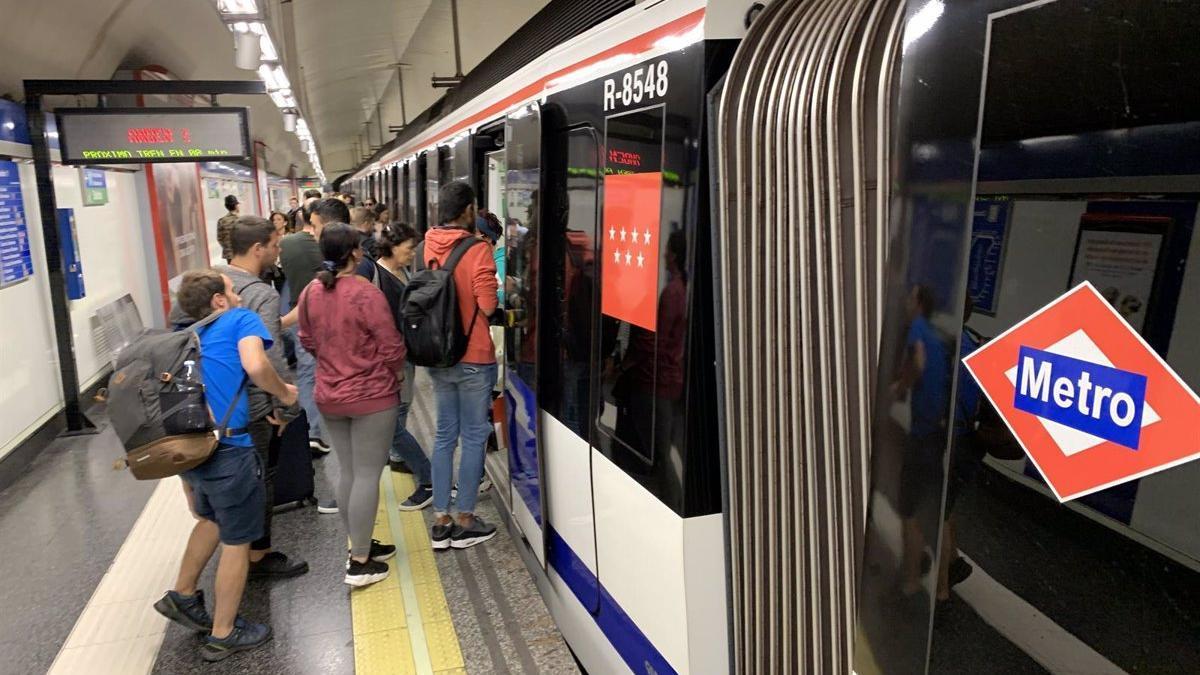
x=647, y=235
x=617, y=257
x=612, y=233
x=628, y=257
x=622, y=234
x=635, y=235
x=640, y=259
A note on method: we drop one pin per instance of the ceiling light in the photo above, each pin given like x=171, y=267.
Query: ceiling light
x=268, y=48
x=237, y=7
x=289, y=120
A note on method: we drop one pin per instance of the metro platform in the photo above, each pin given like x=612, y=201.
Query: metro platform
x=89, y=549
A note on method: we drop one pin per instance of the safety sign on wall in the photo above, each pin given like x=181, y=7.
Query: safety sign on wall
x=1090, y=402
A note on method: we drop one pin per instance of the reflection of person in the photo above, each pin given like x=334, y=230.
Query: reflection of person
x=649, y=388
x=966, y=456
x=925, y=373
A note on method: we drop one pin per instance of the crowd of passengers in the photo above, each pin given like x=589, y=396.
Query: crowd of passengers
x=312, y=297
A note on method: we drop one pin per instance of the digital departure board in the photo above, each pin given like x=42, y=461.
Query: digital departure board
x=151, y=135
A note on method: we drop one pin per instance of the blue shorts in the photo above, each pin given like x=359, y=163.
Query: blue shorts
x=229, y=491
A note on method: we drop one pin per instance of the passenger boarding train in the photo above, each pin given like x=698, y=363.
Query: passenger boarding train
x=714, y=214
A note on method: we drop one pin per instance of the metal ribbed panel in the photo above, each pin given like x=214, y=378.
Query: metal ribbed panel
x=803, y=126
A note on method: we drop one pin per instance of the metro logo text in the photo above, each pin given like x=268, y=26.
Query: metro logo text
x=1089, y=397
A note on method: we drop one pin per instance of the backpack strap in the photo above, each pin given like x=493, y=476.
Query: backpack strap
x=223, y=429
x=460, y=249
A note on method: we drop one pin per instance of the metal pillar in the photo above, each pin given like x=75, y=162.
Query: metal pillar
x=78, y=423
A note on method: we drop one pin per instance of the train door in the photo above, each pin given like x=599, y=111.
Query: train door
x=570, y=327
x=523, y=161
x=1033, y=531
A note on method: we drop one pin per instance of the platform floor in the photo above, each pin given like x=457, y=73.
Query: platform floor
x=87, y=550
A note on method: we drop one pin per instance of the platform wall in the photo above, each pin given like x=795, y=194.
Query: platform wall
x=113, y=245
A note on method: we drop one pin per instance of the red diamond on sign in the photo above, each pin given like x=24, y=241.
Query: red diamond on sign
x=1090, y=402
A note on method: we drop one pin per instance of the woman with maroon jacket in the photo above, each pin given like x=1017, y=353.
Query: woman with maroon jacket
x=346, y=324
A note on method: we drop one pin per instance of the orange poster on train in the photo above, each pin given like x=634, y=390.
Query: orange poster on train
x=629, y=267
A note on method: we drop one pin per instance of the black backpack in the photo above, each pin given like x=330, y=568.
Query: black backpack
x=430, y=321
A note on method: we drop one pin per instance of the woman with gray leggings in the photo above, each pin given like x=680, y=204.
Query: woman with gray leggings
x=346, y=324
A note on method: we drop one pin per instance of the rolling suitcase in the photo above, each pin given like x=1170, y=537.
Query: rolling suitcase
x=293, y=468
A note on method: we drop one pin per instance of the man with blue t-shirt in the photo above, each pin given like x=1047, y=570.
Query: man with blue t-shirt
x=925, y=372
x=226, y=492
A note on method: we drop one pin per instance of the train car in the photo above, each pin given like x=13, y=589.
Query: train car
x=594, y=157
x=711, y=238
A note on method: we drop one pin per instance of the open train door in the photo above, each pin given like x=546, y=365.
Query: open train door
x=523, y=143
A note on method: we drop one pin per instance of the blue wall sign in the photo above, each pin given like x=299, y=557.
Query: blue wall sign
x=988, y=232
x=16, y=264
x=95, y=187
x=68, y=240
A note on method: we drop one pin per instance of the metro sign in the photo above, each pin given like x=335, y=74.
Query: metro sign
x=1090, y=402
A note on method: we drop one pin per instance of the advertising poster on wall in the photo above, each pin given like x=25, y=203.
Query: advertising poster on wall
x=179, y=219
x=1119, y=254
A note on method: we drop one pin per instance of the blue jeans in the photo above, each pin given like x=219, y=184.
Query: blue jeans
x=306, y=382
x=406, y=448
x=464, y=396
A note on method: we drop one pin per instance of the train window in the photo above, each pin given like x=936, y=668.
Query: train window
x=568, y=391
x=523, y=148
x=431, y=188
x=1088, y=171
x=412, y=204
x=643, y=290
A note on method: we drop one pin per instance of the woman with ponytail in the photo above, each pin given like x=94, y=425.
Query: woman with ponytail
x=345, y=322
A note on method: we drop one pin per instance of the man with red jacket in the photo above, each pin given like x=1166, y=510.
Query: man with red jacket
x=463, y=391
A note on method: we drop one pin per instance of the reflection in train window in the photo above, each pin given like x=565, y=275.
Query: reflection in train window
x=567, y=392
x=643, y=287
x=1088, y=171
x=523, y=175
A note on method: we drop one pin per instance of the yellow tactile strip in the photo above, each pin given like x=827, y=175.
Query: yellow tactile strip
x=402, y=624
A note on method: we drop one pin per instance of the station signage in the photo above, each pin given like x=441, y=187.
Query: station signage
x=1090, y=402
x=152, y=135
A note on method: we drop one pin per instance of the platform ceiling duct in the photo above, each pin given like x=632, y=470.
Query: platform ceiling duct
x=802, y=201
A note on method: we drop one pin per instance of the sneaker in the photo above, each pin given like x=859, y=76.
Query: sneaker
x=475, y=533
x=277, y=565
x=399, y=466
x=419, y=499
x=359, y=574
x=441, y=534
x=186, y=610
x=327, y=506
x=245, y=635
x=318, y=446
x=381, y=551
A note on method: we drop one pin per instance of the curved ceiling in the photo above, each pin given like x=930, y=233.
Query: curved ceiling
x=346, y=56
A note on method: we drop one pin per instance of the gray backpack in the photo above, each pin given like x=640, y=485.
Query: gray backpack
x=157, y=406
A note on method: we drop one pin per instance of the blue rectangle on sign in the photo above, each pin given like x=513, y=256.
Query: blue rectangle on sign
x=1089, y=397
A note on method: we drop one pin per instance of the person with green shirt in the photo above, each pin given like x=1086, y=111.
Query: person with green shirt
x=300, y=258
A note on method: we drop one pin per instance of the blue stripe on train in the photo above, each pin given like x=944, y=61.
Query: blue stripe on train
x=634, y=647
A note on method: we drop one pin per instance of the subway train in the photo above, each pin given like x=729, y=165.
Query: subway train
x=722, y=220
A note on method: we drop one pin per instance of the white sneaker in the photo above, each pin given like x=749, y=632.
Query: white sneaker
x=327, y=506
x=319, y=446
